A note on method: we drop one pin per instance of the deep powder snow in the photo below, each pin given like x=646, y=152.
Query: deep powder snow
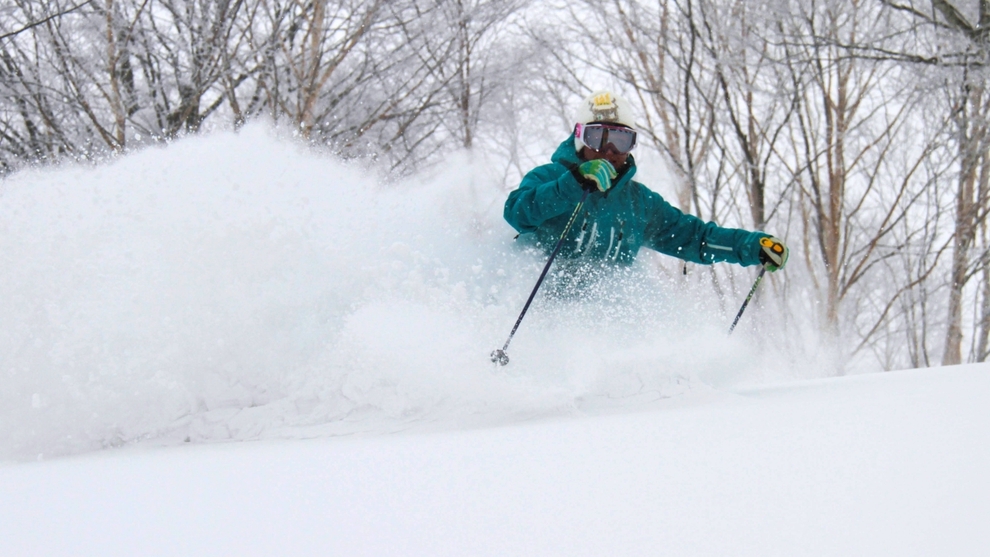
x=237, y=286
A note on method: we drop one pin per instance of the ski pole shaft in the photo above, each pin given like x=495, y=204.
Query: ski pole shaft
x=499, y=356
x=752, y=291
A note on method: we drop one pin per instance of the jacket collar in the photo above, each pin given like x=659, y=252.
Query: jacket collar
x=567, y=156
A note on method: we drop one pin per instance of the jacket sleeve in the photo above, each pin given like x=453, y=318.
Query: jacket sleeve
x=689, y=238
x=546, y=192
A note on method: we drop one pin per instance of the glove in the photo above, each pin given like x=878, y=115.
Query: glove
x=599, y=171
x=773, y=253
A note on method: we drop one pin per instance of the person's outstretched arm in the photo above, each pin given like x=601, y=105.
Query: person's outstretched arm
x=687, y=237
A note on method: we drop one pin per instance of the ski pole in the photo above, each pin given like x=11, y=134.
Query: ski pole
x=499, y=355
x=748, y=298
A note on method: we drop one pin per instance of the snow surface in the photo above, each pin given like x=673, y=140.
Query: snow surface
x=885, y=464
x=237, y=287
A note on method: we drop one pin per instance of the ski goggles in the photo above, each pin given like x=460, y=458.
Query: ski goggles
x=598, y=136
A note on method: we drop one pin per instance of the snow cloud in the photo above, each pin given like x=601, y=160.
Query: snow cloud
x=238, y=286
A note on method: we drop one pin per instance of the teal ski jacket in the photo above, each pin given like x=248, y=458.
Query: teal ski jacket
x=614, y=225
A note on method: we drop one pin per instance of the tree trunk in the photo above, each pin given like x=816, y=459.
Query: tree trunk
x=115, y=100
x=972, y=141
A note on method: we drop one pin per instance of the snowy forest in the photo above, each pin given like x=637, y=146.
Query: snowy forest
x=856, y=130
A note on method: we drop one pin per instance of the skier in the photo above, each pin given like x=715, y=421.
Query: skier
x=619, y=215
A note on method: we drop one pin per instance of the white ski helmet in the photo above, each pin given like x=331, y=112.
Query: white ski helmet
x=603, y=106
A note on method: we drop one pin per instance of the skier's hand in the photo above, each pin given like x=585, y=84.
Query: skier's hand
x=773, y=253
x=600, y=172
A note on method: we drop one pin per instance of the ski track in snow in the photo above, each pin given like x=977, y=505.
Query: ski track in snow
x=237, y=286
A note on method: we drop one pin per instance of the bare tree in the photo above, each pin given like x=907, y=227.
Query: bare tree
x=962, y=51
x=757, y=98
x=183, y=51
x=309, y=46
x=858, y=181
x=95, y=70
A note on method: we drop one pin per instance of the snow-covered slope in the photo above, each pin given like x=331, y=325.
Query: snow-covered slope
x=891, y=464
x=235, y=286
